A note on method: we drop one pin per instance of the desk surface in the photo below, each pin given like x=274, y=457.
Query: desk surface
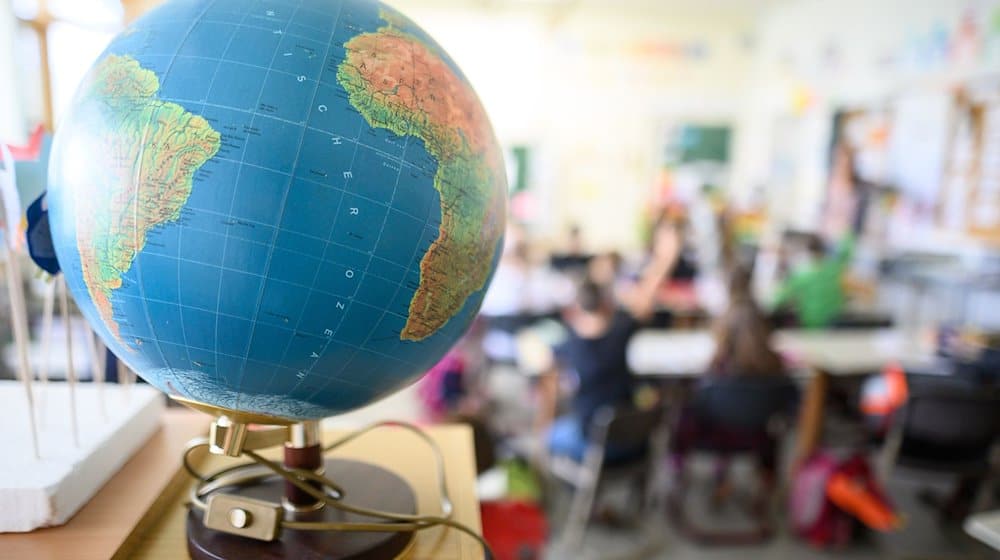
x=395, y=449
x=671, y=353
x=140, y=512
x=985, y=527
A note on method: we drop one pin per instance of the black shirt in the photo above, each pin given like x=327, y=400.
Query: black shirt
x=600, y=364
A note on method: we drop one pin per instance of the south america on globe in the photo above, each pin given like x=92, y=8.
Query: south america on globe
x=288, y=207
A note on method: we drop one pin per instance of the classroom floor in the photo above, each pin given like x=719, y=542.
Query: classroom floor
x=923, y=538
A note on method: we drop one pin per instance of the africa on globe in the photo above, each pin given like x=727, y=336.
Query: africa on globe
x=288, y=208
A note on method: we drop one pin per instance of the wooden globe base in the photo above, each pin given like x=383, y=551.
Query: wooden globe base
x=365, y=485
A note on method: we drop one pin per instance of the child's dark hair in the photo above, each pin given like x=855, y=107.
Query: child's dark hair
x=591, y=297
x=815, y=246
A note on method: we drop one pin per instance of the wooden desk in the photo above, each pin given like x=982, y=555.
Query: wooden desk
x=821, y=354
x=105, y=523
x=400, y=451
x=687, y=353
x=140, y=513
x=985, y=527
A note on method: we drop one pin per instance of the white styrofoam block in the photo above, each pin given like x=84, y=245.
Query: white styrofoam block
x=114, y=422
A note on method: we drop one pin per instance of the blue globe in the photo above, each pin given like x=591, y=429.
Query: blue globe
x=287, y=208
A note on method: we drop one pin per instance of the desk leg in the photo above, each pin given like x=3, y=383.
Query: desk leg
x=811, y=415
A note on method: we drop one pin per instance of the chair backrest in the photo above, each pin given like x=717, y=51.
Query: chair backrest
x=625, y=427
x=960, y=419
x=745, y=403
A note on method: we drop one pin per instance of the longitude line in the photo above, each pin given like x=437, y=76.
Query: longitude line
x=399, y=286
x=135, y=213
x=283, y=204
x=232, y=200
x=312, y=285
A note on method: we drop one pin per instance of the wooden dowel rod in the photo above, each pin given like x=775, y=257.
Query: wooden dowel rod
x=19, y=323
x=70, y=370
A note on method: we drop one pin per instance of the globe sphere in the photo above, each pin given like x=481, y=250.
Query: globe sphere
x=287, y=208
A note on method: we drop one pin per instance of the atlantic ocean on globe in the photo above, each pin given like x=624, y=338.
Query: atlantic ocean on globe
x=288, y=208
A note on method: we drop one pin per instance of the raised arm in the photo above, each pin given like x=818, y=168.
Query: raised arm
x=641, y=300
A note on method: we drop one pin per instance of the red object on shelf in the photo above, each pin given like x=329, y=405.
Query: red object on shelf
x=32, y=149
x=679, y=295
x=516, y=530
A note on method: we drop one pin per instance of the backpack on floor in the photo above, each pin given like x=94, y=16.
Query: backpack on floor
x=832, y=498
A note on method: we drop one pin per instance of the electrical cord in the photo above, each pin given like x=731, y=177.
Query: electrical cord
x=329, y=493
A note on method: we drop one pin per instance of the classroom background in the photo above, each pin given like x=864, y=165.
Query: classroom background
x=751, y=245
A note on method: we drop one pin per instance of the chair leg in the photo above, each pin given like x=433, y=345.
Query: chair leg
x=579, y=514
x=639, y=492
x=760, y=510
x=585, y=490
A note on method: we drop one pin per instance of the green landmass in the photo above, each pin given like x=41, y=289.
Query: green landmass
x=142, y=154
x=378, y=74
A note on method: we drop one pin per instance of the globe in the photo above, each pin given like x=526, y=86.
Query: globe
x=286, y=208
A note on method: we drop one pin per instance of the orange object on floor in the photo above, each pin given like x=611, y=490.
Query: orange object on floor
x=854, y=497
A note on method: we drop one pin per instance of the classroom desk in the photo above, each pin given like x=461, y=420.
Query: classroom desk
x=816, y=354
x=673, y=353
x=162, y=537
x=140, y=513
x=985, y=527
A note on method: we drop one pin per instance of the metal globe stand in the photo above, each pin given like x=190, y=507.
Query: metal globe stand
x=247, y=512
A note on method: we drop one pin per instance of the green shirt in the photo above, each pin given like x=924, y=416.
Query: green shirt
x=815, y=292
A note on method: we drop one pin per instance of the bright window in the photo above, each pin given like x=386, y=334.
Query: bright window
x=78, y=32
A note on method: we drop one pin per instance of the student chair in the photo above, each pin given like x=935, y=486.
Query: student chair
x=948, y=429
x=729, y=417
x=629, y=434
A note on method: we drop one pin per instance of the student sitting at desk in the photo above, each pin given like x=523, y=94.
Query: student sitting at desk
x=595, y=350
x=814, y=290
x=742, y=348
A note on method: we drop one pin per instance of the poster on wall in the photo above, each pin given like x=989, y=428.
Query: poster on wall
x=694, y=156
x=918, y=145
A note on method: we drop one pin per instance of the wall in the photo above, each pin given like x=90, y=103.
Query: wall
x=816, y=56
x=11, y=127
x=592, y=91
x=591, y=87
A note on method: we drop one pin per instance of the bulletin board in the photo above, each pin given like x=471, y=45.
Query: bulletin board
x=971, y=204
x=938, y=150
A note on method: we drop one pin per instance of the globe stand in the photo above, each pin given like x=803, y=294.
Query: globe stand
x=243, y=517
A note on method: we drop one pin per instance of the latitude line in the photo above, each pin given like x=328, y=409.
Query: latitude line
x=397, y=159
x=311, y=181
x=155, y=338
x=248, y=272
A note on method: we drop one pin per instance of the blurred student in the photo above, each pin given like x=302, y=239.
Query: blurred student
x=594, y=353
x=814, y=289
x=522, y=291
x=743, y=348
x=522, y=286
x=607, y=270
x=743, y=336
x=574, y=259
x=849, y=195
x=686, y=268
